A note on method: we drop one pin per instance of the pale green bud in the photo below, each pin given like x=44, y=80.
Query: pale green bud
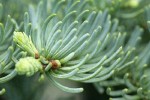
x=41, y=78
x=28, y=66
x=132, y=3
x=25, y=43
x=2, y=91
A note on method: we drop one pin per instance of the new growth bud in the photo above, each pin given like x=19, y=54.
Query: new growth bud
x=25, y=43
x=28, y=66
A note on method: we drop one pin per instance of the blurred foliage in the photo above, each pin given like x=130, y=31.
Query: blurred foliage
x=16, y=8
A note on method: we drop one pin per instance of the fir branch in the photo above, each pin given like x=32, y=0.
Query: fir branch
x=66, y=39
x=70, y=41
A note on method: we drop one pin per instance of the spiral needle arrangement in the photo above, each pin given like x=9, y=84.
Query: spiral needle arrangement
x=77, y=42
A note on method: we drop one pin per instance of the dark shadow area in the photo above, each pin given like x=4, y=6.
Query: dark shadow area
x=91, y=93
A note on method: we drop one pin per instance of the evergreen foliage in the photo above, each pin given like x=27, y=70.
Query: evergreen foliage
x=103, y=42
